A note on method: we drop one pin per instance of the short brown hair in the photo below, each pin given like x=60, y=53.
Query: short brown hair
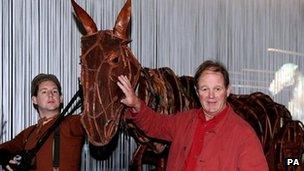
x=42, y=78
x=214, y=66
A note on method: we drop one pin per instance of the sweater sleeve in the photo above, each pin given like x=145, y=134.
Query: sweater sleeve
x=13, y=147
x=154, y=124
x=251, y=156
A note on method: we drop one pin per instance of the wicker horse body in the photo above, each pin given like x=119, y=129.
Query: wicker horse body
x=105, y=56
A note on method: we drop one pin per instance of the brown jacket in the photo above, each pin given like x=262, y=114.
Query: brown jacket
x=71, y=142
x=231, y=145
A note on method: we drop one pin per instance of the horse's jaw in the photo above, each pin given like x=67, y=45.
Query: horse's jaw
x=101, y=130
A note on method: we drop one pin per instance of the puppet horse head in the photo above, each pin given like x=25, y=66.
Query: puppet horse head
x=104, y=56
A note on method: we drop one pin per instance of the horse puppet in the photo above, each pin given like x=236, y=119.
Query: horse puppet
x=290, y=75
x=105, y=55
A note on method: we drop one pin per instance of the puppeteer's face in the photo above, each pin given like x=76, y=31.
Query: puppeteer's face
x=212, y=92
x=48, y=98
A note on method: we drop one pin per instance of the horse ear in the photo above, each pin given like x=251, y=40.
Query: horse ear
x=122, y=22
x=84, y=18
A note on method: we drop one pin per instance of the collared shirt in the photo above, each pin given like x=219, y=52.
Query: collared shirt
x=42, y=122
x=202, y=127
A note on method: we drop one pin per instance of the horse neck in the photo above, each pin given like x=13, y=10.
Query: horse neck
x=298, y=86
x=298, y=77
x=164, y=92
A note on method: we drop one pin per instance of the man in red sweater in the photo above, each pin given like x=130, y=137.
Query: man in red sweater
x=213, y=137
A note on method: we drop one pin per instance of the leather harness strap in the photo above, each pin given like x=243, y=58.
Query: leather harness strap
x=56, y=147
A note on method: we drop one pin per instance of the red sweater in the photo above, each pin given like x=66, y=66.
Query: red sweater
x=202, y=126
x=230, y=145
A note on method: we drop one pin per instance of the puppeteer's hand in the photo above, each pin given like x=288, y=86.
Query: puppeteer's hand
x=131, y=100
x=13, y=163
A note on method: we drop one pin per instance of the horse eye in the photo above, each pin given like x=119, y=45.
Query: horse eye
x=115, y=60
